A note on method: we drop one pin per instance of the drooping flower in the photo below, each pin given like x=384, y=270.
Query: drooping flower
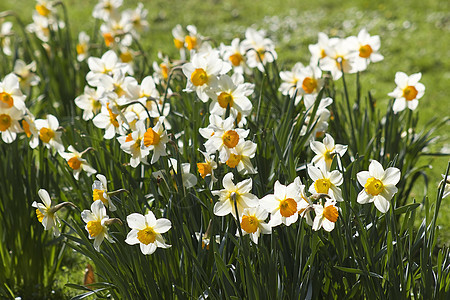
x=283, y=203
x=407, y=92
x=100, y=192
x=146, y=231
x=379, y=185
x=231, y=194
x=45, y=212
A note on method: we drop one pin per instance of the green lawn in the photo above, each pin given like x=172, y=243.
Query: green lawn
x=415, y=37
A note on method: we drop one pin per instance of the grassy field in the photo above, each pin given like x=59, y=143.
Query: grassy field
x=415, y=36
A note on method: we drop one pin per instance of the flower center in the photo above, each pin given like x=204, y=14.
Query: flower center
x=42, y=10
x=236, y=59
x=261, y=53
x=234, y=160
x=410, y=93
x=191, y=42
x=74, y=163
x=5, y=122
x=94, y=228
x=109, y=39
x=39, y=215
x=323, y=54
x=128, y=138
x=365, y=51
x=164, y=70
x=204, y=169
x=26, y=128
x=373, y=186
x=199, y=77
x=249, y=224
x=146, y=235
x=112, y=117
x=7, y=99
x=309, y=85
x=82, y=48
x=322, y=185
x=331, y=213
x=230, y=138
x=328, y=156
x=98, y=195
x=225, y=99
x=151, y=137
x=126, y=56
x=288, y=207
x=179, y=44
x=46, y=134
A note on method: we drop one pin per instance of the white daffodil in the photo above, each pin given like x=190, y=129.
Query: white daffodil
x=189, y=179
x=283, y=203
x=318, y=51
x=146, y=231
x=326, y=151
x=48, y=133
x=232, y=94
x=9, y=123
x=76, y=163
x=367, y=48
x=82, y=46
x=326, y=182
x=235, y=53
x=263, y=49
x=379, y=185
x=339, y=58
x=253, y=223
x=326, y=216
x=5, y=39
x=137, y=18
x=46, y=214
x=231, y=194
x=202, y=73
x=100, y=192
x=89, y=102
x=10, y=93
x=110, y=121
x=29, y=127
x=222, y=136
x=97, y=222
x=156, y=139
x=131, y=144
x=241, y=159
x=105, y=8
x=291, y=79
x=407, y=92
x=26, y=74
x=320, y=119
x=310, y=83
x=108, y=64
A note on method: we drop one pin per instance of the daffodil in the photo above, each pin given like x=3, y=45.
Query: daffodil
x=100, y=192
x=26, y=74
x=326, y=216
x=289, y=86
x=283, y=203
x=155, y=139
x=232, y=195
x=326, y=182
x=207, y=168
x=407, y=92
x=339, y=58
x=9, y=123
x=105, y=8
x=253, y=223
x=108, y=64
x=89, y=102
x=29, y=127
x=97, y=222
x=379, y=185
x=46, y=214
x=131, y=144
x=326, y=151
x=10, y=93
x=49, y=134
x=318, y=51
x=76, y=163
x=82, y=46
x=263, y=49
x=235, y=53
x=188, y=179
x=146, y=231
x=5, y=40
x=241, y=158
x=367, y=48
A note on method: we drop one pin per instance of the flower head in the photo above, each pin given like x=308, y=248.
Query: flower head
x=253, y=223
x=100, y=192
x=407, y=92
x=326, y=151
x=45, y=212
x=76, y=163
x=379, y=185
x=326, y=216
x=97, y=223
x=146, y=231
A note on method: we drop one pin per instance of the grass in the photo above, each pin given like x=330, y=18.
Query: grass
x=408, y=43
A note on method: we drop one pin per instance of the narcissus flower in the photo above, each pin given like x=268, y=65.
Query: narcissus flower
x=263, y=49
x=325, y=182
x=318, y=51
x=379, y=185
x=48, y=133
x=100, y=192
x=253, y=223
x=76, y=163
x=10, y=93
x=326, y=216
x=9, y=123
x=367, y=47
x=326, y=151
x=46, y=214
x=82, y=46
x=155, y=139
x=290, y=82
x=26, y=74
x=339, y=58
x=132, y=143
x=146, y=231
x=239, y=193
x=89, y=102
x=97, y=222
x=283, y=203
x=407, y=92
x=241, y=158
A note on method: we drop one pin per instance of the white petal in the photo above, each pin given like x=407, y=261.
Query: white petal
x=136, y=221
